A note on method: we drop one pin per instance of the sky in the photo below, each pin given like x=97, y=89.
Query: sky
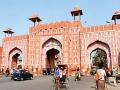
x=15, y=14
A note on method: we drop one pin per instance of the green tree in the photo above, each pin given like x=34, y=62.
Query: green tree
x=99, y=57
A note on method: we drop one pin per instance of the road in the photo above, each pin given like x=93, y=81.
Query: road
x=46, y=83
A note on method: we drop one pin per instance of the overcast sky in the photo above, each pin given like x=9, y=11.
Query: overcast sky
x=15, y=13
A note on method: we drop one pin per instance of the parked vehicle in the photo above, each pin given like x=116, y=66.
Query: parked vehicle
x=44, y=71
x=21, y=75
x=48, y=71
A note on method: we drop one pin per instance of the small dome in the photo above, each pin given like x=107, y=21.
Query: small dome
x=117, y=12
x=76, y=8
x=8, y=29
x=34, y=16
x=76, y=11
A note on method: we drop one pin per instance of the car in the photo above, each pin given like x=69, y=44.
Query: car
x=44, y=71
x=48, y=71
x=21, y=75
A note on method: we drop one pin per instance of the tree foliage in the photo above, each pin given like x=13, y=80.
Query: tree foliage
x=99, y=57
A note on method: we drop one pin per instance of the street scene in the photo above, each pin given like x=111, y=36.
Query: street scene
x=46, y=83
x=60, y=45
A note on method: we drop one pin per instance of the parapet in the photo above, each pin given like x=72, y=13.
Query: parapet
x=101, y=28
x=14, y=38
x=62, y=24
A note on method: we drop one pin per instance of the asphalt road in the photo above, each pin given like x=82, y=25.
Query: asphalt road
x=46, y=83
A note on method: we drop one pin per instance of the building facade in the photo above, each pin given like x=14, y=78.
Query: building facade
x=64, y=42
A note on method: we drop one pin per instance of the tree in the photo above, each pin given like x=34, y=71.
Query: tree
x=99, y=57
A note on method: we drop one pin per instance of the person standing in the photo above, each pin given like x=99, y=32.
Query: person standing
x=57, y=72
x=118, y=70
x=77, y=74
x=114, y=72
x=101, y=77
x=57, y=78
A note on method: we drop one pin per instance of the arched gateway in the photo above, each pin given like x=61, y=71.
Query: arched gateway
x=15, y=58
x=98, y=56
x=101, y=46
x=66, y=42
x=51, y=53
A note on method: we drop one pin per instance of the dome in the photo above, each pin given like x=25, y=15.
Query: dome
x=117, y=12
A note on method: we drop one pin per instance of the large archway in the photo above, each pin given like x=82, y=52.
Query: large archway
x=98, y=45
x=15, y=58
x=51, y=50
x=52, y=58
x=98, y=56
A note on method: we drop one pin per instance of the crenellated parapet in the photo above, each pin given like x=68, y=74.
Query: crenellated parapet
x=21, y=37
x=62, y=24
x=101, y=28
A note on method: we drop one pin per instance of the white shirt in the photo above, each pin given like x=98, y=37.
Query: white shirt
x=102, y=74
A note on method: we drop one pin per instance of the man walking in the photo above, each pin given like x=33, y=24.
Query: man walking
x=114, y=71
x=101, y=74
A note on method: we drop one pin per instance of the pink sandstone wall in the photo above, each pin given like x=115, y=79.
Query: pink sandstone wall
x=10, y=44
x=77, y=44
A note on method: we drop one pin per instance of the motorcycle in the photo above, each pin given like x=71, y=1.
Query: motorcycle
x=7, y=74
x=77, y=76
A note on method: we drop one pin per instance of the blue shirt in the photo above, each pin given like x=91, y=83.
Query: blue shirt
x=114, y=72
x=57, y=72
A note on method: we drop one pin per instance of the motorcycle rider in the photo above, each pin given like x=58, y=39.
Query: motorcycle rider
x=77, y=74
x=7, y=72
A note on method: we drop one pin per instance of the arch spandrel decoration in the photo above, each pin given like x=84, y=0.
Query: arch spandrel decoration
x=14, y=50
x=44, y=39
x=54, y=42
x=100, y=43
